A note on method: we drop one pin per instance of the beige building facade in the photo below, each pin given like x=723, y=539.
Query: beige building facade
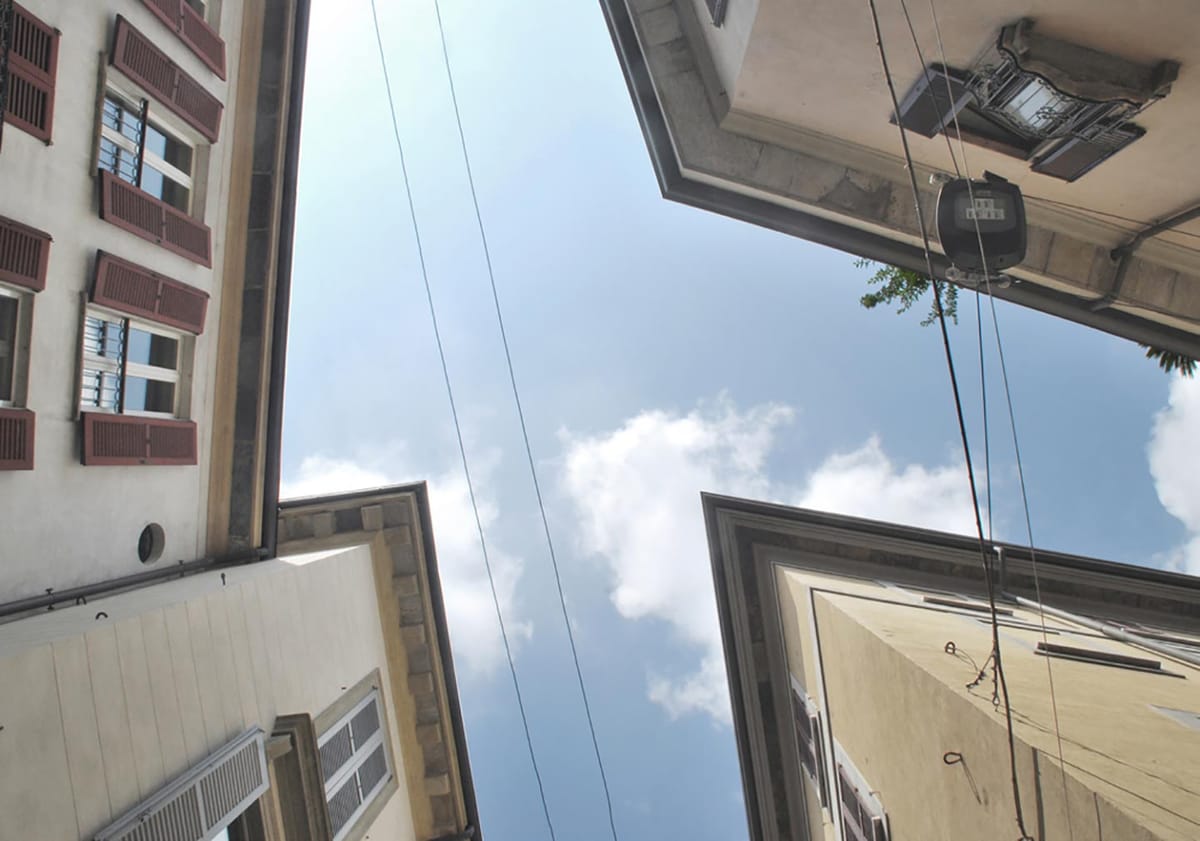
x=144, y=214
x=864, y=695
x=777, y=112
x=307, y=697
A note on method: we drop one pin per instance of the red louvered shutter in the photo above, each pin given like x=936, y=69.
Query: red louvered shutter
x=186, y=236
x=165, y=10
x=193, y=30
x=203, y=39
x=128, y=207
x=182, y=306
x=137, y=57
x=32, y=69
x=171, y=442
x=125, y=440
x=24, y=255
x=133, y=289
x=16, y=439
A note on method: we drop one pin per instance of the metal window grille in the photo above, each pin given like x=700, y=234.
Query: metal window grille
x=354, y=763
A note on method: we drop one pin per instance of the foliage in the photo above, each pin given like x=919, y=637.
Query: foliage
x=905, y=287
x=1170, y=361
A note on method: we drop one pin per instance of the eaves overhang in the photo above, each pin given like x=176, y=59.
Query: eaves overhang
x=691, y=186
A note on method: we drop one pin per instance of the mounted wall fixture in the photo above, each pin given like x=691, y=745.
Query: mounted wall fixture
x=1063, y=107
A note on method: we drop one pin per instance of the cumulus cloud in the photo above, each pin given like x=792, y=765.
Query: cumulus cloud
x=1175, y=466
x=474, y=632
x=636, y=490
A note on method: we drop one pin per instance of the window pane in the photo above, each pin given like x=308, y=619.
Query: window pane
x=146, y=395
x=177, y=154
x=8, y=344
x=146, y=348
x=118, y=161
x=101, y=389
x=162, y=187
x=121, y=116
x=102, y=337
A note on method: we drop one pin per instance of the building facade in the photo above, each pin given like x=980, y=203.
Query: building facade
x=144, y=228
x=183, y=658
x=777, y=112
x=866, y=705
x=306, y=698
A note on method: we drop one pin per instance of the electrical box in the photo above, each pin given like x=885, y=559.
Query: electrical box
x=990, y=212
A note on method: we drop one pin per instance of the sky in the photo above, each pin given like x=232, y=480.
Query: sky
x=660, y=352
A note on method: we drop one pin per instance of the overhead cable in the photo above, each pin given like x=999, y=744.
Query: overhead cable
x=462, y=450
x=962, y=426
x=512, y=378
x=937, y=29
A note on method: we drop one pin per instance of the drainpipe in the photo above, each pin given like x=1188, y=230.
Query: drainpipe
x=1123, y=255
x=1111, y=631
x=81, y=594
x=272, y=461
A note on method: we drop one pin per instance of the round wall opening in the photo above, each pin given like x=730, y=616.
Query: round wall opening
x=151, y=543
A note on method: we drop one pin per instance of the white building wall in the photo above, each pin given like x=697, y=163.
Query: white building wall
x=63, y=524
x=100, y=713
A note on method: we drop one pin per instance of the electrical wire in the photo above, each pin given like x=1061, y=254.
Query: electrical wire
x=962, y=426
x=1011, y=417
x=930, y=81
x=462, y=450
x=512, y=377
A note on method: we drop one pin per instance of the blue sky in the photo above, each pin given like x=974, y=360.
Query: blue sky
x=661, y=351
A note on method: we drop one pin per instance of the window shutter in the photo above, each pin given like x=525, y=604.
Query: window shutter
x=934, y=101
x=16, y=439
x=193, y=30
x=861, y=823
x=203, y=39
x=1077, y=156
x=201, y=802
x=32, y=68
x=24, y=255
x=137, y=57
x=133, y=210
x=135, y=290
x=131, y=439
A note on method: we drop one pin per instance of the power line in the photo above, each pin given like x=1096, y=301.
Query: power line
x=1011, y=416
x=962, y=426
x=512, y=378
x=462, y=450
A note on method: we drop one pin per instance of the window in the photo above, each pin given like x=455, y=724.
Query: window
x=355, y=763
x=129, y=366
x=862, y=814
x=808, y=740
x=140, y=153
x=10, y=322
x=27, y=99
x=1039, y=99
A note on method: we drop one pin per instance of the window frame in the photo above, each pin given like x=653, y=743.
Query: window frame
x=123, y=368
x=803, y=704
x=361, y=753
x=138, y=149
x=22, y=335
x=328, y=722
x=866, y=800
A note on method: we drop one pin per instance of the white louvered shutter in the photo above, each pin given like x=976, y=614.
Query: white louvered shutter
x=354, y=763
x=203, y=801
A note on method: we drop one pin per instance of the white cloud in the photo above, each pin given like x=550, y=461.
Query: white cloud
x=637, y=493
x=1175, y=466
x=472, y=616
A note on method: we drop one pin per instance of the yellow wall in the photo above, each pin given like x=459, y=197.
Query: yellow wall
x=897, y=702
x=99, y=713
